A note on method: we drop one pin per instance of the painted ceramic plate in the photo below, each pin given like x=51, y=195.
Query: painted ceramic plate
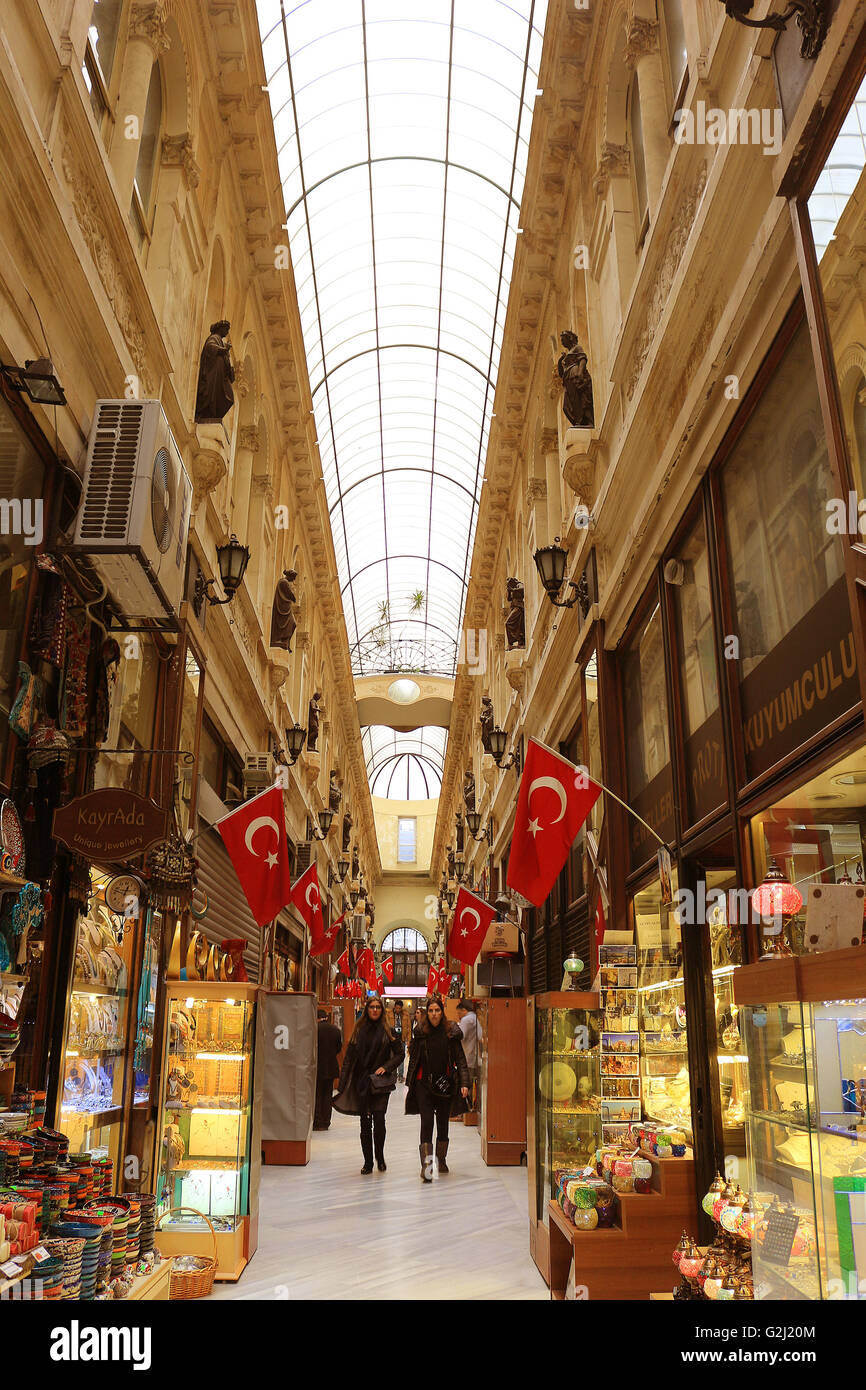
x=11, y=836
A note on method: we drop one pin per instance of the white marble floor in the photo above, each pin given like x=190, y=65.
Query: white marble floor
x=326, y=1232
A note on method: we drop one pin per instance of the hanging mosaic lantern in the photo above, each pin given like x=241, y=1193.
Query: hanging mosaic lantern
x=171, y=870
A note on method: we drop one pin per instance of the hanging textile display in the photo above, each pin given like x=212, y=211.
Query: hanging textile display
x=171, y=870
x=73, y=697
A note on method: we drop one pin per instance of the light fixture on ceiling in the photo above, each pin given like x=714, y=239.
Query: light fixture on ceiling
x=404, y=691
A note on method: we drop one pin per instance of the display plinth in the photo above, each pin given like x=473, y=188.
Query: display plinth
x=632, y=1259
x=231, y=1247
x=153, y=1287
x=291, y=1153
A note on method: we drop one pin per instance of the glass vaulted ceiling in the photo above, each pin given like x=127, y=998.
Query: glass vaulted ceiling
x=402, y=129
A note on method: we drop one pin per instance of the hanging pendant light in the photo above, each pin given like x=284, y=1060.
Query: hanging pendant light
x=776, y=896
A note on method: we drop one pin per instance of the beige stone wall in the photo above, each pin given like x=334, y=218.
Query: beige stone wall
x=126, y=307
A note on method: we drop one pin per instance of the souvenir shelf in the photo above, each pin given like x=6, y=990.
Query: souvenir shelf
x=502, y=1081
x=210, y=1124
x=91, y=1096
x=564, y=1100
x=804, y=1023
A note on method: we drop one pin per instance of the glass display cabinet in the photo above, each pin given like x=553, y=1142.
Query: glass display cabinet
x=210, y=1124
x=564, y=1094
x=661, y=1007
x=804, y=1025
x=91, y=1099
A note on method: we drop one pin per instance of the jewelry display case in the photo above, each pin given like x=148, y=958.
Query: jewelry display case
x=210, y=1123
x=92, y=1096
x=661, y=1009
x=804, y=1025
x=564, y=1094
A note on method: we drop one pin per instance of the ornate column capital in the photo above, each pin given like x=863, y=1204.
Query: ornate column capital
x=248, y=438
x=536, y=491
x=614, y=163
x=548, y=439
x=177, y=153
x=149, y=21
x=642, y=37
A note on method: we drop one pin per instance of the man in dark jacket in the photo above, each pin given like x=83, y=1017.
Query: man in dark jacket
x=327, y=1069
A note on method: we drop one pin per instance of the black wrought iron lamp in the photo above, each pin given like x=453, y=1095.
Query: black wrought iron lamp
x=473, y=824
x=342, y=868
x=38, y=379
x=449, y=897
x=325, y=819
x=550, y=561
x=498, y=743
x=232, y=561
x=354, y=895
x=296, y=737
x=459, y=868
x=812, y=18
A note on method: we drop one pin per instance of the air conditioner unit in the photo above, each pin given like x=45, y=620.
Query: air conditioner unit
x=260, y=771
x=134, y=516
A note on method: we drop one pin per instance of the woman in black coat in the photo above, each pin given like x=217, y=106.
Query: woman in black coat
x=437, y=1081
x=372, y=1051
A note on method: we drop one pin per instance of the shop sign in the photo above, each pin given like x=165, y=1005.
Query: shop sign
x=705, y=768
x=655, y=803
x=109, y=824
x=802, y=685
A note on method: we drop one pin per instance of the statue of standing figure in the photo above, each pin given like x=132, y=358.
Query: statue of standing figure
x=335, y=794
x=313, y=723
x=576, y=383
x=356, y=862
x=214, y=396
x=283, y=620
x=487, y=721
x=347, y=831
x=515, y=623
x=469, y=789
x=460, y=834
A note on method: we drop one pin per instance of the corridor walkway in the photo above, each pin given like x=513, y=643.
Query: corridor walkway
x=326, y=1232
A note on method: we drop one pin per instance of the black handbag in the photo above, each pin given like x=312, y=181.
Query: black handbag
x=380, y=1084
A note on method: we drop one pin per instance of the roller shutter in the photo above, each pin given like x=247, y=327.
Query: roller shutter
x=228, y=914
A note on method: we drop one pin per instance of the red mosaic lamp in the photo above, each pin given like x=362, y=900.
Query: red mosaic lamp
x=776, y=895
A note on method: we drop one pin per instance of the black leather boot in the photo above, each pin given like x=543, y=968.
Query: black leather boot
x=441, y=1151
x=367, y=1142
x=379, y=1142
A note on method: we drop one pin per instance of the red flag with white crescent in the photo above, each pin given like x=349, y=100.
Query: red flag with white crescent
x=432, y=979
x=255, y=837
x=444, y=979
x=308, y=901
x=388, y=969
x=328, y=939
x=344, y=962
x=472, y=917
x=554, y=800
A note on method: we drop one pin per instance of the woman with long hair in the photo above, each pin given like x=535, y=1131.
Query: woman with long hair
x=367, y=1079
x=437, y=1080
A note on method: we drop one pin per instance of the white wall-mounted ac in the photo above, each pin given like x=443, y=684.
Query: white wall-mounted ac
x=259, y=771
x=133, y=521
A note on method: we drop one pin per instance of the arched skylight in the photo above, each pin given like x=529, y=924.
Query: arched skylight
x=404, y=766
x=402, y=130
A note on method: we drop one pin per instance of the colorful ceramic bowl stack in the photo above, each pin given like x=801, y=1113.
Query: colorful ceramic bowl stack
x=72, y=1251
x=90, y=1237
x=103, y=1177
x=148, y=1221
x=84, y=1168
x=47, y=1278
x=12, y=1150
x=10, y=1035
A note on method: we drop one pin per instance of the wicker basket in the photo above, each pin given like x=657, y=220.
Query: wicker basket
x=192, y=1283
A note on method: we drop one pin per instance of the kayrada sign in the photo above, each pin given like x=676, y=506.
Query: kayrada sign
x=109, y=823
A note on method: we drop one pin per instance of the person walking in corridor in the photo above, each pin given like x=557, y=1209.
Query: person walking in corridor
x=437, y=1080
x=367, y=1079
x=330, y=1040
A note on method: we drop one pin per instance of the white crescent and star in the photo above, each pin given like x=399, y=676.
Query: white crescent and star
x=471, y=912
x=311, y=888
x=255, y=825
x=555, y=785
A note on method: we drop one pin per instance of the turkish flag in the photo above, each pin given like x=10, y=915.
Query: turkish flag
x=381, y=985
x=366, y=967
x=255, y=837
x=472, y=917
x=307, y=899
x=432, y=979
x=388, y=969
x=344, y=962
x=328, y=939
x=444, y=979
x=554, y=800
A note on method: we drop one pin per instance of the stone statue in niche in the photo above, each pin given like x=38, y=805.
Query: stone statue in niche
x=313, y=723
x=469, y=789
x=371, y=913
x=214, y=397
x=283, y=620
x=335, y=794
x=576, y=383
x=515, y=626
x=487, y=721
x=461, y=832
x=347, y=832
x=449, y=855
x=356, y=862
